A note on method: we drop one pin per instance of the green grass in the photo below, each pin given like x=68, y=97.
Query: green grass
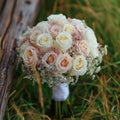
x=97, y=99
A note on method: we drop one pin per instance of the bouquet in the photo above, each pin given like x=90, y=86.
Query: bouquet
x=61, y=50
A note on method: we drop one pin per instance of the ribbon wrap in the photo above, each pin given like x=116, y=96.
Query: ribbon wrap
x=60, y=92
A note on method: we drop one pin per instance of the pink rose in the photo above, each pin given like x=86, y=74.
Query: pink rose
x=54, y=30
x=63, y=63
x=49, y=59
x=80, y=28
x=83, y=47
x=23, y=47
x=79, y=25
x=30, y=56
x=34, y=35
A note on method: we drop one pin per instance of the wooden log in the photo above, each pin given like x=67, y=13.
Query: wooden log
x=16, y=16
x=1, y=5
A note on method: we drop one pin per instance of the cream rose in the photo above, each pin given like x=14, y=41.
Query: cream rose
x=30, y=56
x=79, y=65
x=69, y=28
x=63, y=41
x=49, y=59
x=44, y=40
x=63, y=63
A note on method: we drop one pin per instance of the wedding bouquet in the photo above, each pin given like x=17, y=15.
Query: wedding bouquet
x=61, y=49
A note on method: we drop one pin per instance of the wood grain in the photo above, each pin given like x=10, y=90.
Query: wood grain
x=16, y=16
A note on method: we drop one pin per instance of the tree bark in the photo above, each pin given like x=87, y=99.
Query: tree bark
x=15, y=17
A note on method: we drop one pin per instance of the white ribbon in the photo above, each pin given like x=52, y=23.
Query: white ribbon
x=60, y=92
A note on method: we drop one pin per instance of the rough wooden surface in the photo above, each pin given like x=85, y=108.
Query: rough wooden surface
x=15, y=17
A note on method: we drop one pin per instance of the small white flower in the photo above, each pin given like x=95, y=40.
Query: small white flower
x=98, y=69
x=104, y=50
x=63, y=41
x=44, y=41
x=79, y=65
x=69, y=28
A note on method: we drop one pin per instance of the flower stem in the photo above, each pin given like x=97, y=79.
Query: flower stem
x=60, y=115
x=58, y=110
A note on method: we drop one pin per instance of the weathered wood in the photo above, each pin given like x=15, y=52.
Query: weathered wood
x=16, y=16
x=1, y=4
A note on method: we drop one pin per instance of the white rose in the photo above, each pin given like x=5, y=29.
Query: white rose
x=44, y=40
x=56, y=18
x=92, y=40
x=63, y=41
x=42, y=25
x=63, y=63
x=90, y=37
x=49, y=59
x=79, y=65
x=69, y=28
x=30, y=56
